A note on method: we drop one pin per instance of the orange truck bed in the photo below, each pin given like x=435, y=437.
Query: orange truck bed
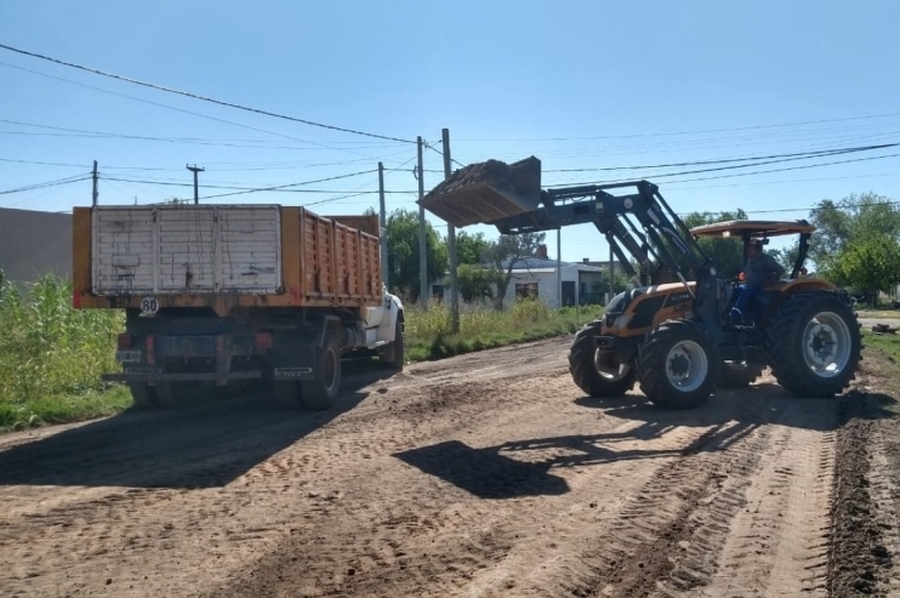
x=223, y=257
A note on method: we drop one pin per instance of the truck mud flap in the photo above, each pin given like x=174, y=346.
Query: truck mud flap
x=486, y=192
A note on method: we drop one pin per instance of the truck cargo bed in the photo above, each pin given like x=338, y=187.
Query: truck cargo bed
x=223, y=256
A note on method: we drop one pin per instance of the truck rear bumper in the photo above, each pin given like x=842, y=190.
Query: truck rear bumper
x=159, y=376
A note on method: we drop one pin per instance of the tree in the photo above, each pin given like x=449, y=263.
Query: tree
x=476, y=282
x=869, y=265
x=505, y=254
x=402, y=234
x=471, y=248
x=840, y=224
x=727, y=254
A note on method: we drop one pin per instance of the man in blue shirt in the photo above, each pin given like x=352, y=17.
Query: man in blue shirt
x=761, y=270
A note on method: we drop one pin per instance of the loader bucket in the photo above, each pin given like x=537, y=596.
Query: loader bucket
x=485, y=192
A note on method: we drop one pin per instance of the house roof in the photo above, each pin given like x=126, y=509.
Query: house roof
x=535, y=263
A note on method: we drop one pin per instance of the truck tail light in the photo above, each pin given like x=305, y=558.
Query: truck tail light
x=151, y=353
x=263, y=341
x=125, y=341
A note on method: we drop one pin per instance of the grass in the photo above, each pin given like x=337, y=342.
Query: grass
x=52, y=356
x=429, y=336
x=888, y=344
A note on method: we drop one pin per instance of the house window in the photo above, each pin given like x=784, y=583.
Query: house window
x=526, y=290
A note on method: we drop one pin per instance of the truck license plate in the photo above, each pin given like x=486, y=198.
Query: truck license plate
x=130, y=356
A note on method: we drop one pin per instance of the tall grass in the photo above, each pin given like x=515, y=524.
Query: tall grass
x=50, y=351
x=429, y=329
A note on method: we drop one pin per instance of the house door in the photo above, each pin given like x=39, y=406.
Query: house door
x=568, y=293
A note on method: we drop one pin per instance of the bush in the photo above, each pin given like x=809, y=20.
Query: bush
x=48, y=348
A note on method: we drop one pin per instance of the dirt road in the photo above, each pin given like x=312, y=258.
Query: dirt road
x=483, y=475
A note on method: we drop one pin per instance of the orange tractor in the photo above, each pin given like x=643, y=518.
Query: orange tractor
x=675, y=339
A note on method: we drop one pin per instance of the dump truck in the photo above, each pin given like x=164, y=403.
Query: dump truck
x=219, y=297
x=675, y=333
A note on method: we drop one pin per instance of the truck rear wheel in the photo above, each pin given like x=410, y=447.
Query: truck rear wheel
x=596, y=372
x=677, y=365
x=814, y=344
x=320, y=392
x=144, y=395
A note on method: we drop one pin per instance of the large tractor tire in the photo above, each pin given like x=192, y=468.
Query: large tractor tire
x=594, y=371
x=814, y=344
x=319, y=393
x=738, y=375
x=677, y=365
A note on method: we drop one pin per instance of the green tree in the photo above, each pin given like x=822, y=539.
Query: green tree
x=402, y=234
x=843, y=223
x=869, y=265
x=727, y=253
x=471, y=248
x=506, y=254
x=476, y=283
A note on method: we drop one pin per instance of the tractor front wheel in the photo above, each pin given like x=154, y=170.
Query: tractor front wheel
x=677, y=365
x=597, y=372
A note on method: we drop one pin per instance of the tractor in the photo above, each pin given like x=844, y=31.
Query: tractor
x=674, y=333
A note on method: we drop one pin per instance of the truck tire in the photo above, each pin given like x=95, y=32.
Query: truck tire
x=319, y=394
x=144, y=395
x=677, y=365
x=814, y=344
x=287, y=393
x=393, y=356
x=738, y=375
x=585, y=366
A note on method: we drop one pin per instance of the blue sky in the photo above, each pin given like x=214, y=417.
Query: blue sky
x=581, y=85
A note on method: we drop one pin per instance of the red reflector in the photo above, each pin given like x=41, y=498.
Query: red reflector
x=151, y=354
x=263, y=341
x=76, y=298
x=126, y=341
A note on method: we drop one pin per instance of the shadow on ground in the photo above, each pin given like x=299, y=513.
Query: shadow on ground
x=202, y=446
x=496, y=472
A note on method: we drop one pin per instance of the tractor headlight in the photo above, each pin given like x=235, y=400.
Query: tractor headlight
x=622, y=321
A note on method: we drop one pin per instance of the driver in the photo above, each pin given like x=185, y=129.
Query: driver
x=761, y=270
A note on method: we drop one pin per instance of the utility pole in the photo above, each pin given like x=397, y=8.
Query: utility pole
x=383, y=221
x=451, y=243
x=96, y=193
x=423, y=245
x=559, y=301
x=195, y=170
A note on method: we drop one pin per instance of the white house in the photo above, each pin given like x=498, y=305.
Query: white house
x=582, y=282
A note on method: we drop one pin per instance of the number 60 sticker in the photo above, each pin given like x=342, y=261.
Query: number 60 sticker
x=149, y=306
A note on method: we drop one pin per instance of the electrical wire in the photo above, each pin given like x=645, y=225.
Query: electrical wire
x=201, y=97
x=44, y=185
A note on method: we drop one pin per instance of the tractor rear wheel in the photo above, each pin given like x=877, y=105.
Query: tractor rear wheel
x=597, y=372
x=814, y=344
x=677, y=365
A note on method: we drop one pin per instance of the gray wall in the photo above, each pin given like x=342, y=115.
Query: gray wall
x=35, y=243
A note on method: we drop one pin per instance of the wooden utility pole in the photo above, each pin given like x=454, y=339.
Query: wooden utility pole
x=96, y=194
x=423, y=244
x=383, y=220
x=451, y=243
x=195, y=170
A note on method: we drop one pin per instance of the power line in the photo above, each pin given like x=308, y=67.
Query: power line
x=201, y=97
x=56, y=183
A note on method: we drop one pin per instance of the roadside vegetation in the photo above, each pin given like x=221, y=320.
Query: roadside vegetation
x=52, y=356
